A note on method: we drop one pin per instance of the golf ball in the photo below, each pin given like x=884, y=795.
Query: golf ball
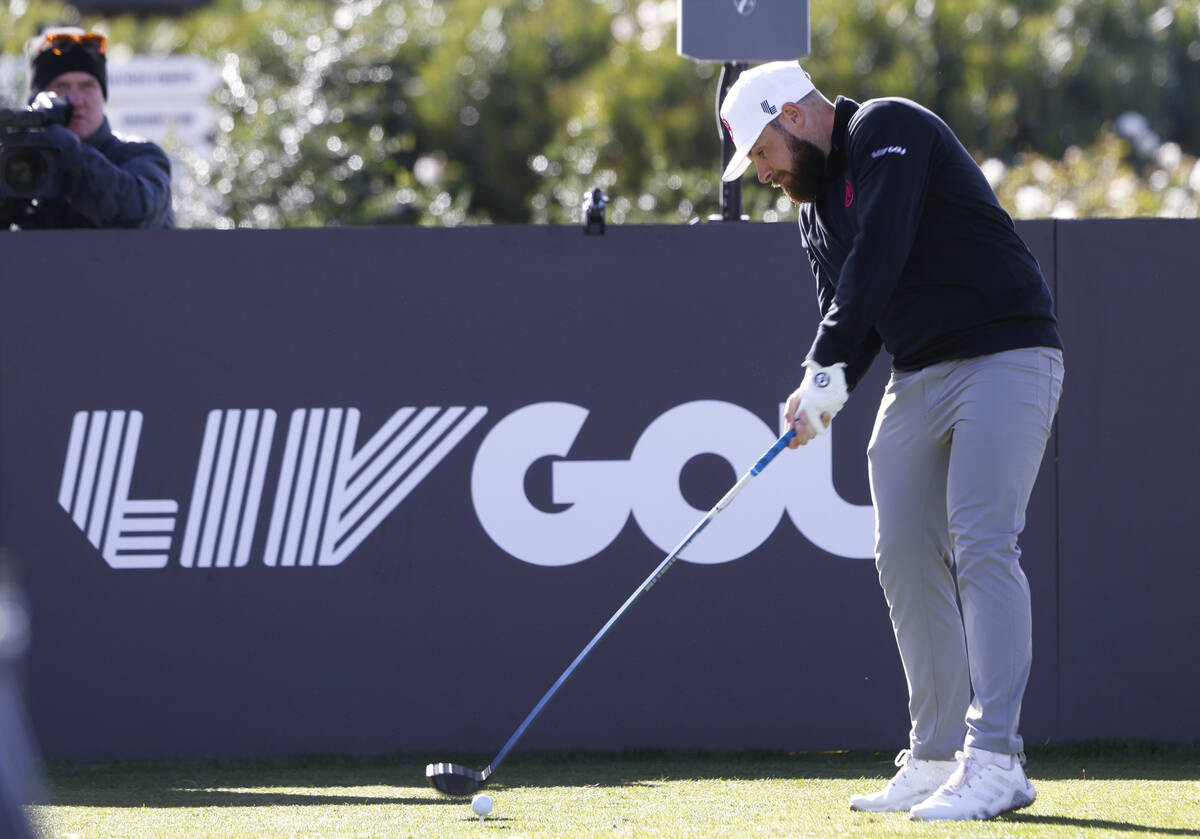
x=481, y=804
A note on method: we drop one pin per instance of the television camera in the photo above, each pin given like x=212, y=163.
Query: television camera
x=31, y=167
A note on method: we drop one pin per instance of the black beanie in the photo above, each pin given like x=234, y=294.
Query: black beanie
x=47, y=67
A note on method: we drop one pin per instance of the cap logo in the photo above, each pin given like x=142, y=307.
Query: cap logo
x=768, y=108
x=745, y=8
x=725, y=123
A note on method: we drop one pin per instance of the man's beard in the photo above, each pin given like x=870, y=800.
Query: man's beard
x=803, y=181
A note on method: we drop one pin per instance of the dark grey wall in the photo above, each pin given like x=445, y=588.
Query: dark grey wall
x=1129, y=565
x=430, y=633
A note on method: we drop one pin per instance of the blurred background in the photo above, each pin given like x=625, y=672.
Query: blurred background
x=292, y=113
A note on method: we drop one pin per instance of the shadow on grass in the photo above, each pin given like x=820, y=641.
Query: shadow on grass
x=338, y=780
x=184, y=797
x=1115, y=760
x=312, y=780
x=1099, y=824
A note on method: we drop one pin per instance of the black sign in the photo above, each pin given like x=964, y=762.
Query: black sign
x=321, y=490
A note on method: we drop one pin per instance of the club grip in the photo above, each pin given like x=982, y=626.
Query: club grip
x=779, y=446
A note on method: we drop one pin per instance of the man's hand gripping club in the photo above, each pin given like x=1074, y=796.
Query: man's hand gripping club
x=813, y=405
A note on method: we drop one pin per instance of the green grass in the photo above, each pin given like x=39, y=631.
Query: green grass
x=1109, y=789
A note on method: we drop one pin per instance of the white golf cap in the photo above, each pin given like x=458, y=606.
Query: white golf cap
x=754, y=100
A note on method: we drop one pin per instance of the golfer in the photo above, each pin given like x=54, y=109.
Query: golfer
x=912, y=252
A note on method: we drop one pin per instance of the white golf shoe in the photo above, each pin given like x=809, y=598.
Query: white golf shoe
x=916, y=781
x=984, y=785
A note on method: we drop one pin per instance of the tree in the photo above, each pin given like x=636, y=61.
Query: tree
x=474, y=111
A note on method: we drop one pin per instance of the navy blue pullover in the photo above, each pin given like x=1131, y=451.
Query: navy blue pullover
x=911, y=249
x=111, y=181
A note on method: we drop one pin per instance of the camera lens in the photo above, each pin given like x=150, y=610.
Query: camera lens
x=25, y=172
x=29, y=171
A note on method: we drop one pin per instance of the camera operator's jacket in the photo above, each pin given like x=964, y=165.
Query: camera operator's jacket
x=110, y=181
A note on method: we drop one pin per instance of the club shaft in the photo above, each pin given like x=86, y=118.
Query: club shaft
x=646, y=585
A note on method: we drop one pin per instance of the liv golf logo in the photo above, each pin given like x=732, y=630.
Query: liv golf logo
x=329, y=492
x=328, y=496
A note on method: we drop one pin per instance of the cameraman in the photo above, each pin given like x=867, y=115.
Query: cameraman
x=109, y=180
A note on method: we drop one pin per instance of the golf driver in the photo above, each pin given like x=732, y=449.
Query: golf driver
x=456, y=780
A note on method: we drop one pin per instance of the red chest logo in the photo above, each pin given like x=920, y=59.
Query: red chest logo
x=849, y=193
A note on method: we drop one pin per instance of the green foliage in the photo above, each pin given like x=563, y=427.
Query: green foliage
x=318, y=123
x=1101, y=182
x=448, y=112
x=1014, y=76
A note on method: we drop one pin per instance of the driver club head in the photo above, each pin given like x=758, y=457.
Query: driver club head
x=452, y=779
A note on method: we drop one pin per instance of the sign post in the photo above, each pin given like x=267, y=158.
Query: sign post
x=736, y=32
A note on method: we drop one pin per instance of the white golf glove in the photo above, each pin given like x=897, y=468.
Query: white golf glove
x=823, y=391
